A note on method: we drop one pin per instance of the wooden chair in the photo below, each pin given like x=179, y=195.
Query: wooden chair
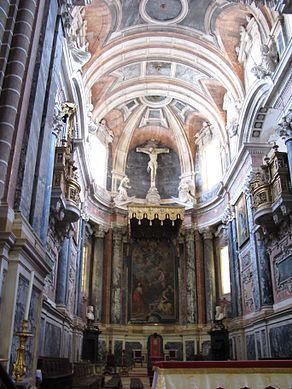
x=137, y=356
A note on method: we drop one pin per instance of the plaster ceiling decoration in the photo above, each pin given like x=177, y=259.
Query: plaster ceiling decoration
x=154, y=117
x=156, y=101
x=163, y=11
x=163, y=68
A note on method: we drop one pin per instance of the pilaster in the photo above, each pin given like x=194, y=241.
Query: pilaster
x=97, y=271
x=191, y=289
x=209, y=268
x=116, y=276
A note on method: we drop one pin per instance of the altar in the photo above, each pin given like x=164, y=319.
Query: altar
x=276, y=374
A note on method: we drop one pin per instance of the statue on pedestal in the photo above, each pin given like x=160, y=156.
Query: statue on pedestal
x=152, y=150
x=90, y=315
x=219, y=337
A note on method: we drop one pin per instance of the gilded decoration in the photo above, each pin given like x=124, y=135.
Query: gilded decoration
x=270, y=189
x=156, y=213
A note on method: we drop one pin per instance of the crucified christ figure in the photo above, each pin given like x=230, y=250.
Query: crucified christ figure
x=152, y=164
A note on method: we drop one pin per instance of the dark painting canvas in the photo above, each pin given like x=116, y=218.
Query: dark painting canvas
x=152, y=294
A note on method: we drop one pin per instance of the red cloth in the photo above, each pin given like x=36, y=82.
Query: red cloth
x=224, y=364
x=155, y=348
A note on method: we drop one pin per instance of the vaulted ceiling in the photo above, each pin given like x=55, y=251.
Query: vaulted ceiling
x=160, y=68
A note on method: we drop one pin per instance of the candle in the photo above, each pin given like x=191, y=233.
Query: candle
x=28, y=298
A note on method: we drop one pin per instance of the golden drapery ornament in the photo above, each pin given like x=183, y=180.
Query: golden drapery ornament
x=152, y=212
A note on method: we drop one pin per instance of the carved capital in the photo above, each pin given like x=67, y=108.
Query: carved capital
x=100, y=231
x=189, y=234
x=207, y=232
x=284, y=130
x=228, y=214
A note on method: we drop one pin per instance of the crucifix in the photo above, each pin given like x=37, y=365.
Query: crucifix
x=152, y=151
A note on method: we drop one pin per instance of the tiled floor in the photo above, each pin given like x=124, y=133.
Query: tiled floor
x=136, y=372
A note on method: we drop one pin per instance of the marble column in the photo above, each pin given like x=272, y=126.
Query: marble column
x=288, y=144
x=116, y=277
x=11, y=97
x=181, y=280
x=107, y=274
x=236, y=303
x=253, y=252
x=209, y=269
x=79, y=268
x=48, y=190
x=124, y=280
x=200, y=279
x=61, y=289
x=97, y=272
x=191, y=289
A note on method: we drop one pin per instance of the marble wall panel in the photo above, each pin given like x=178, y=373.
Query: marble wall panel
x=206, y=350
x=175, y=346
x=250, y=347
x=118, y=348
x=281, y=341
x=247, y=290
x=129, y=346
x=259, y=347
x=102, y=350
x=190, y=350
x=264, y=344
x=52, y=349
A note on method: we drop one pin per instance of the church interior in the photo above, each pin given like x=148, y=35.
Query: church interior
x=145, y=182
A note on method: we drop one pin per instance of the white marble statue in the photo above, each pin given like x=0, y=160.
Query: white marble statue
x=152, y=164
x=124, y=185
x=122, y=197
x=268, y=62
x=92, y=125
x=219, y=314
x=105, y=134
x=76, y=38
x=186, y=191
x=232, y=108
x=90, y=314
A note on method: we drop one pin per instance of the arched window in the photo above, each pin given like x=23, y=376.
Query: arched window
x=224, y=271
x=212, y=167
x=98, y=160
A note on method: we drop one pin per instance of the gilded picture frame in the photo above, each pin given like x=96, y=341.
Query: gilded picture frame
x=241, y=221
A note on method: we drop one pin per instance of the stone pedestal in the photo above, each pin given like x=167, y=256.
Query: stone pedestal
x=90, y=344
x=219, y=344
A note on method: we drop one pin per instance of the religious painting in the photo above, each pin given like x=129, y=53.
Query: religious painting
x=241, y=221
x=152, y=287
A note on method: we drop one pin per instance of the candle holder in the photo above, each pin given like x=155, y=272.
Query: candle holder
x=19, y=368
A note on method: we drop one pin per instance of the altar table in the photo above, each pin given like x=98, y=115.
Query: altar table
x=263, y=374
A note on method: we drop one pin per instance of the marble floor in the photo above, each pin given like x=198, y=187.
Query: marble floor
x=135, y=372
